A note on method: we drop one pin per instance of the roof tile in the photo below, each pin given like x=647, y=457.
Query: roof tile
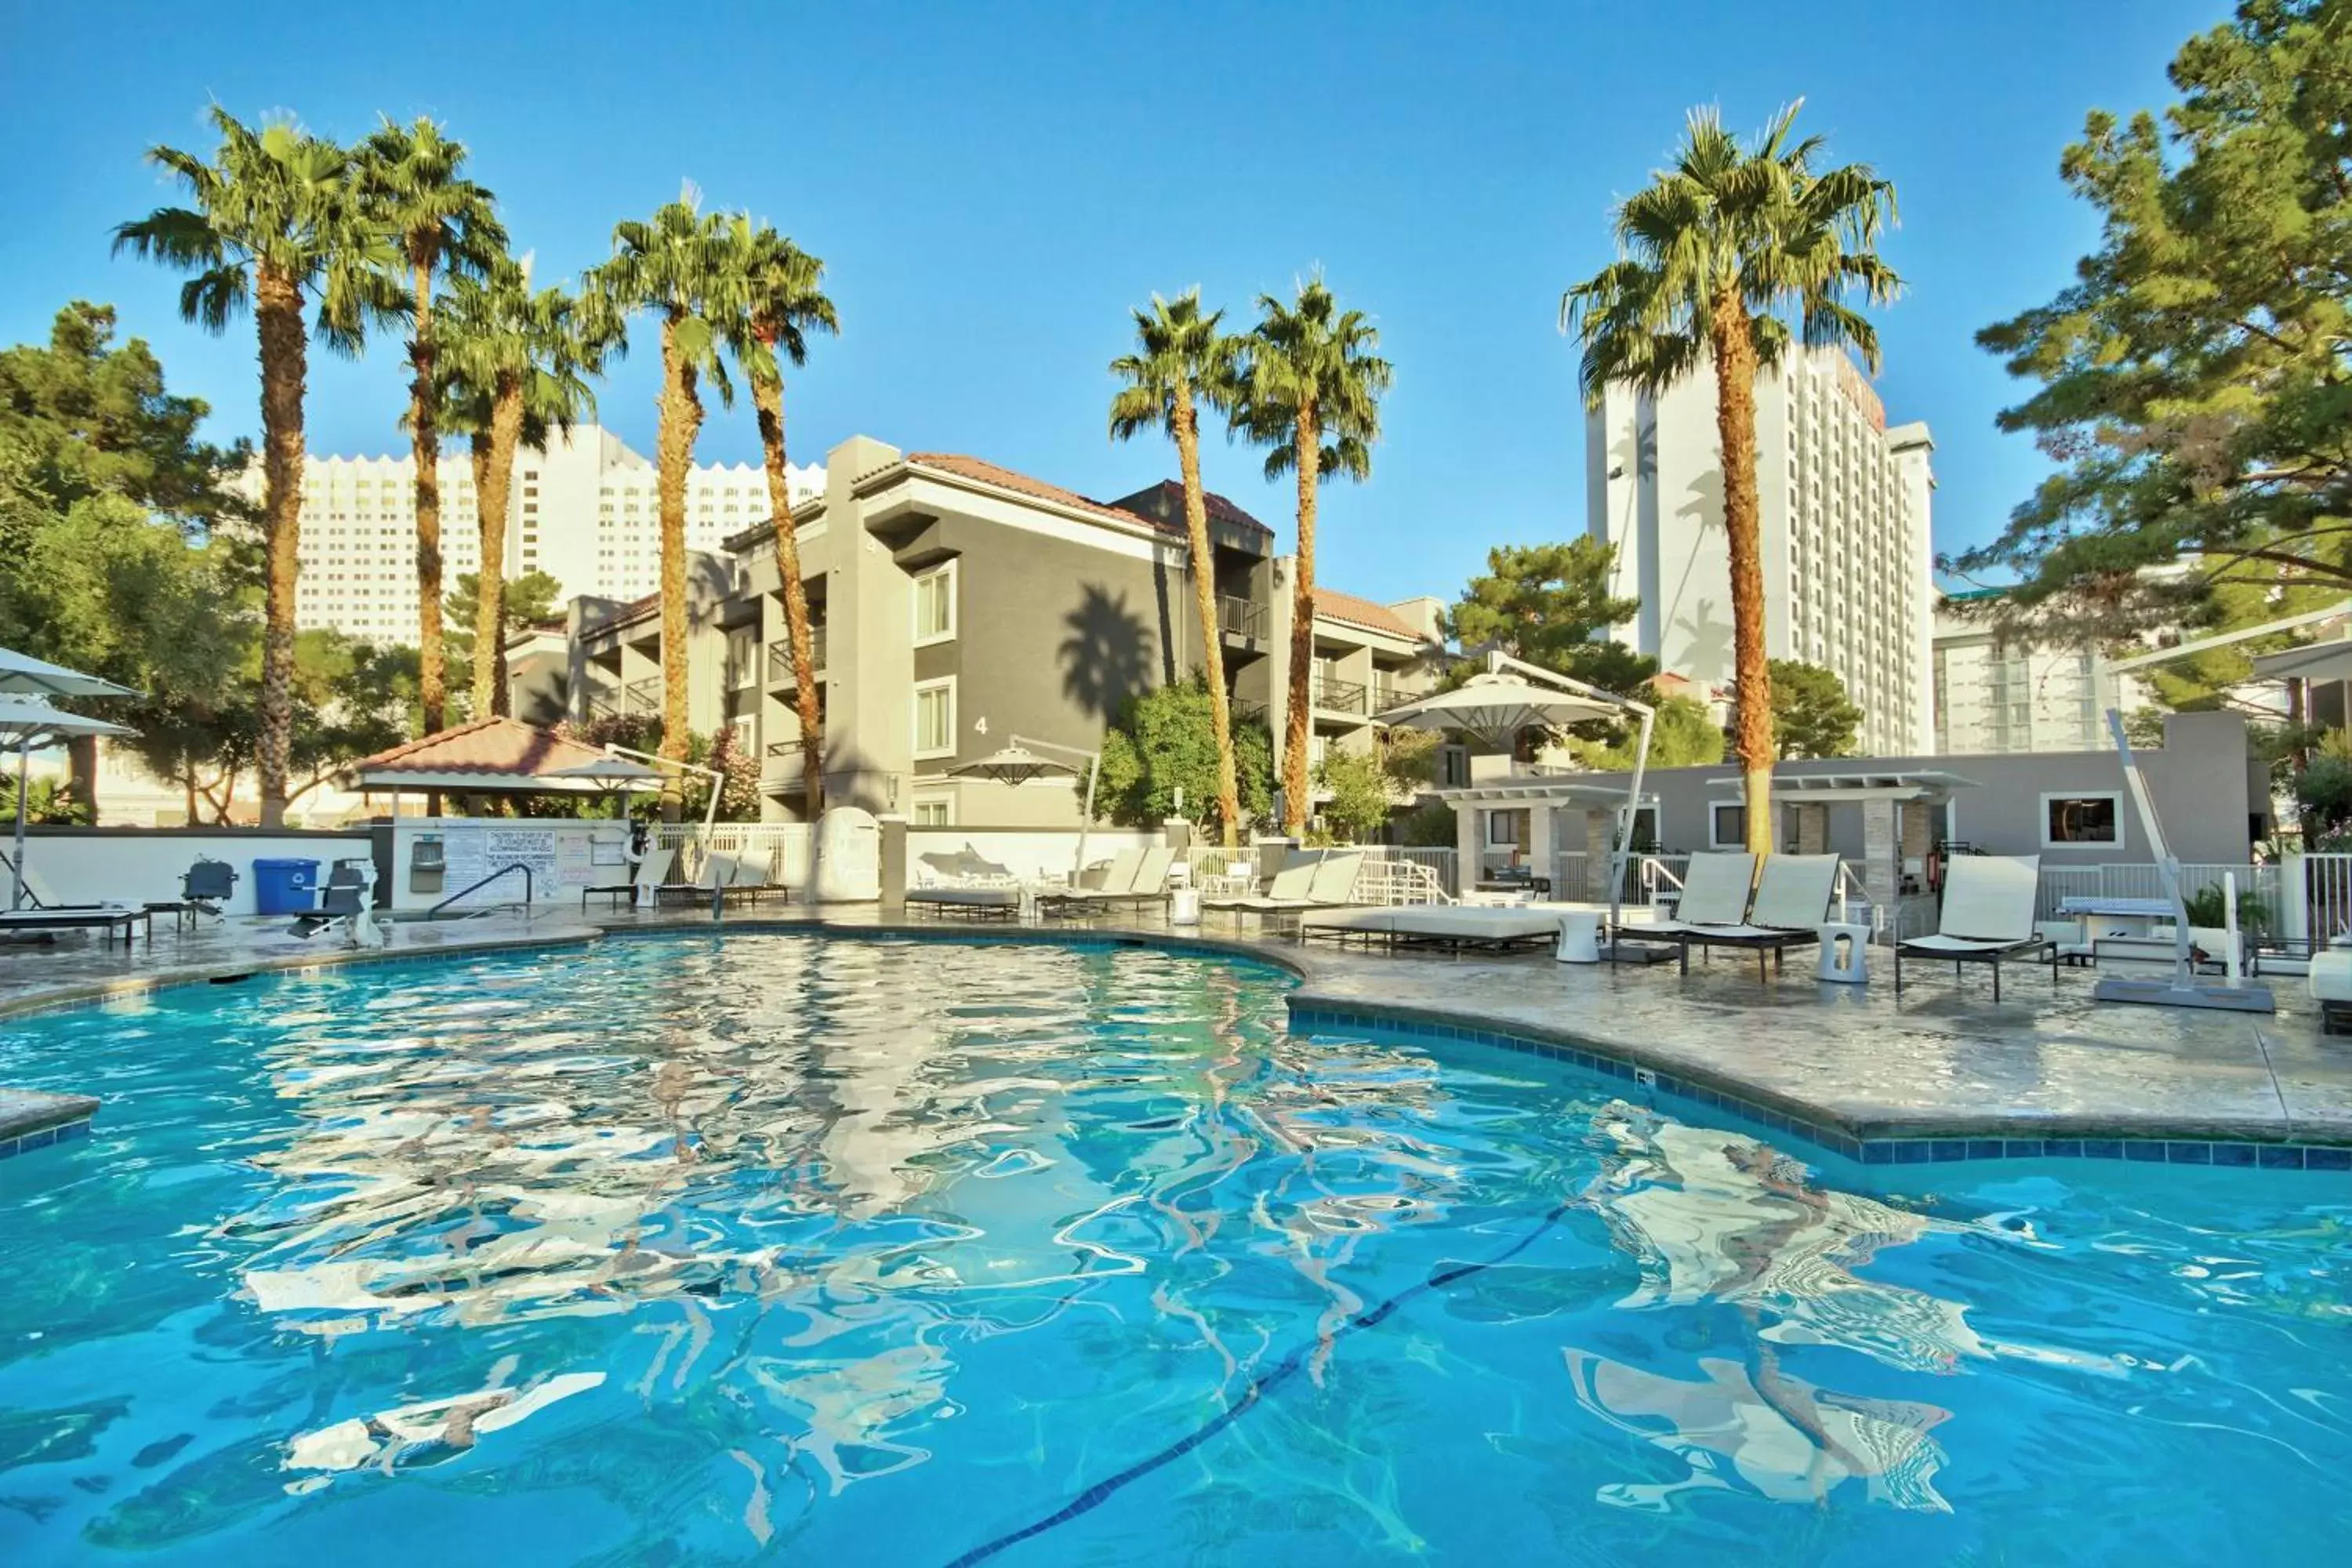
x=485, y=746
x=982, y=471
x=1332, y=605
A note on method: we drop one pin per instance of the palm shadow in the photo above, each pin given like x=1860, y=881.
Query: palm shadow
x=1107, y=657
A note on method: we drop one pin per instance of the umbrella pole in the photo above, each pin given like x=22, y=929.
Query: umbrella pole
x=1093, y=771
x=16, y=869
x=1617, y=862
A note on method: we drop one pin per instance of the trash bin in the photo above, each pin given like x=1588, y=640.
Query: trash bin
x=285, y=887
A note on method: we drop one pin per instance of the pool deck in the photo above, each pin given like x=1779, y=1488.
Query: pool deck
x=1837, y=1062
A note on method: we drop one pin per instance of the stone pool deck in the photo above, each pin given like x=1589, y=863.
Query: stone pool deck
x=1849, y=1066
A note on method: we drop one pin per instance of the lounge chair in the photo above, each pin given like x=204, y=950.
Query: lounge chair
x=1793, y=900
x=718, y=870
x=1456, y=926
x=652, y=870
x=1987, y=916
x=49, y=913
x=1716, y=889
x=752, y=886
x=1147, y=884
x=976, y=886
x=1327, y=881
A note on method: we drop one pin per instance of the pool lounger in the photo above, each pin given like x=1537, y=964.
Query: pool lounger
x=1791, y=900
x=1145, y=882
x=71, y=917
x=1987, y=918
x=1437, y=925
x=1325, y=882
x=971, y=903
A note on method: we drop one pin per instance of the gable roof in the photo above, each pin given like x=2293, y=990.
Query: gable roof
x=1163, y=503
x=1333, y=606
x=485, y=748
x=980, y=471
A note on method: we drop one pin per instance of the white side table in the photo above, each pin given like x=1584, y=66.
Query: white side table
x=1844, y=944
x=1579, y=936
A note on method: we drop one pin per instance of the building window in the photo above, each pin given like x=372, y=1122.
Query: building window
x=1726, y=827
x=1510, y=829
x=936, y=811
x=2091, y=818
x=935, y=702
x=935, y=596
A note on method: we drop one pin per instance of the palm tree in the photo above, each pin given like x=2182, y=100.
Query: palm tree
x=1711, y=254
x=1183, y=363
x=514, y=365
x=276, y=224
x=1310, y=388
x=672, y=264
x=773, y=299
x=441, y=221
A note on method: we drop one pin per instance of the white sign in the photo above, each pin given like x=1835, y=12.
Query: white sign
x=559, y=858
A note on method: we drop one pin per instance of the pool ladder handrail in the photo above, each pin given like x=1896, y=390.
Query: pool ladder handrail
x=513, y=866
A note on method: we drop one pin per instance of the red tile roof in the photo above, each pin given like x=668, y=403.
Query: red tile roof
x=1163, y=503
x=1332, y=605
x=486, y=746
x=982, y=471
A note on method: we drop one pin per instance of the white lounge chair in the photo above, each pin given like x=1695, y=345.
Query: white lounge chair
x=1497, y=926
x=47, y=913
x=1716, y=889
x=1147, y=883
x=652, y=870
x=1793, y=900
x=1987, y=916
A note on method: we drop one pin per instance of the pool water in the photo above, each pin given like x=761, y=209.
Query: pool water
x=786, y=1248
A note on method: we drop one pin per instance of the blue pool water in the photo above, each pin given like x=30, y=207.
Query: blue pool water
x=781, y=1248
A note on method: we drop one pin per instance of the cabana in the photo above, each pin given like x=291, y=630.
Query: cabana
x=495, y=756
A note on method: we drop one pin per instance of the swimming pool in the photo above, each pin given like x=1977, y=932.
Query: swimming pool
x=711, y=1250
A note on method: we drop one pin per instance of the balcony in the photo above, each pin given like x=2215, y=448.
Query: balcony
x=1388, y=694
x=780, y=770
x=1243, y=618
x=780, y=658
x=642, y=696
x=1331, y=695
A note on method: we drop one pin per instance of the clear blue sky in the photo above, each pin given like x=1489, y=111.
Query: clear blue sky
x=992, y=186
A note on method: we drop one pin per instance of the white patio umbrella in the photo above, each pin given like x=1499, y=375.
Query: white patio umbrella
x=26, y=724
x=1015, y=763
x=1511, y=695
x=22, y=675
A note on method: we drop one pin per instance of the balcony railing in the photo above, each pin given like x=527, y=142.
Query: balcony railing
x=780, y=657
x=1334, y=696
x=784, y=766
x=642, y=696
x=1388, y=694
x=1240, y=618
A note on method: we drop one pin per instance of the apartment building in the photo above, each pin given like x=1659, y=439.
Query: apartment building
x=2001, y=694
x=957, y=605
x=584, y=512
x=1845, y=503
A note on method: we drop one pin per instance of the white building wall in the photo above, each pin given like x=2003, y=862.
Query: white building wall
x=584, y=512
x=1995, y=698
x=1846, y=517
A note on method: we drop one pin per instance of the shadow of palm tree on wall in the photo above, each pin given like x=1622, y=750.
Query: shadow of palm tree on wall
x=1107, y=655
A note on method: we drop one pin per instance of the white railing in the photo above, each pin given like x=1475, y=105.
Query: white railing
x=2142, y=879
x=2327, y=902
x=1395, y=881
x=1437, y=863
x=780, y=848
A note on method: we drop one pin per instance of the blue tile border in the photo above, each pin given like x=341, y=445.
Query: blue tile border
x=2242, y=1154
x=45, y=1137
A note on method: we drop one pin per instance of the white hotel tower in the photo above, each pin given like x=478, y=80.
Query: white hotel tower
x=1844, y=513
x=584, y=512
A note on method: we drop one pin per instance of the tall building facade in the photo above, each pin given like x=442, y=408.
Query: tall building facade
x=584, y=512
x=1845, y=502
x=1996, y=694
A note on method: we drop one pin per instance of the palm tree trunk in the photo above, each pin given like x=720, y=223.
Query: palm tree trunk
x=681, y=419
x=1735, y=426
x=1204, y=596
x=494, y=459
x=768, y=405
x=424, y=442
x=1308, y=454
x=278, y=313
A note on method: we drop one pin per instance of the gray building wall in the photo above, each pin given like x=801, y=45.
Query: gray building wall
x=2210, y=797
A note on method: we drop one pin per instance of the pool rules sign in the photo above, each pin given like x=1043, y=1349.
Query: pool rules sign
x=560, y=858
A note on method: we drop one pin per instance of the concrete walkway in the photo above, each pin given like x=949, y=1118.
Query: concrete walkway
x=1841, y=1062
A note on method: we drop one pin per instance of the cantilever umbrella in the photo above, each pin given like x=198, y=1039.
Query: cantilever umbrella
x=1016, y=764
x=22, y=675
x=1511, y=695
x=27, y=723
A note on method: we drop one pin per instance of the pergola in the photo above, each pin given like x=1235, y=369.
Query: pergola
x=1881, y=793
x=1601, y=796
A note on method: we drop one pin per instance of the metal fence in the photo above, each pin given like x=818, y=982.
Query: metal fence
x=1208, y=860
x=2142, y=879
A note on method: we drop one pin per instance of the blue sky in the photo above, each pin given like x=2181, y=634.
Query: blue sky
x=992, y=186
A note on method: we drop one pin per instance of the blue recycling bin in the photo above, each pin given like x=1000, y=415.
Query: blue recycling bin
x=285, y=887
